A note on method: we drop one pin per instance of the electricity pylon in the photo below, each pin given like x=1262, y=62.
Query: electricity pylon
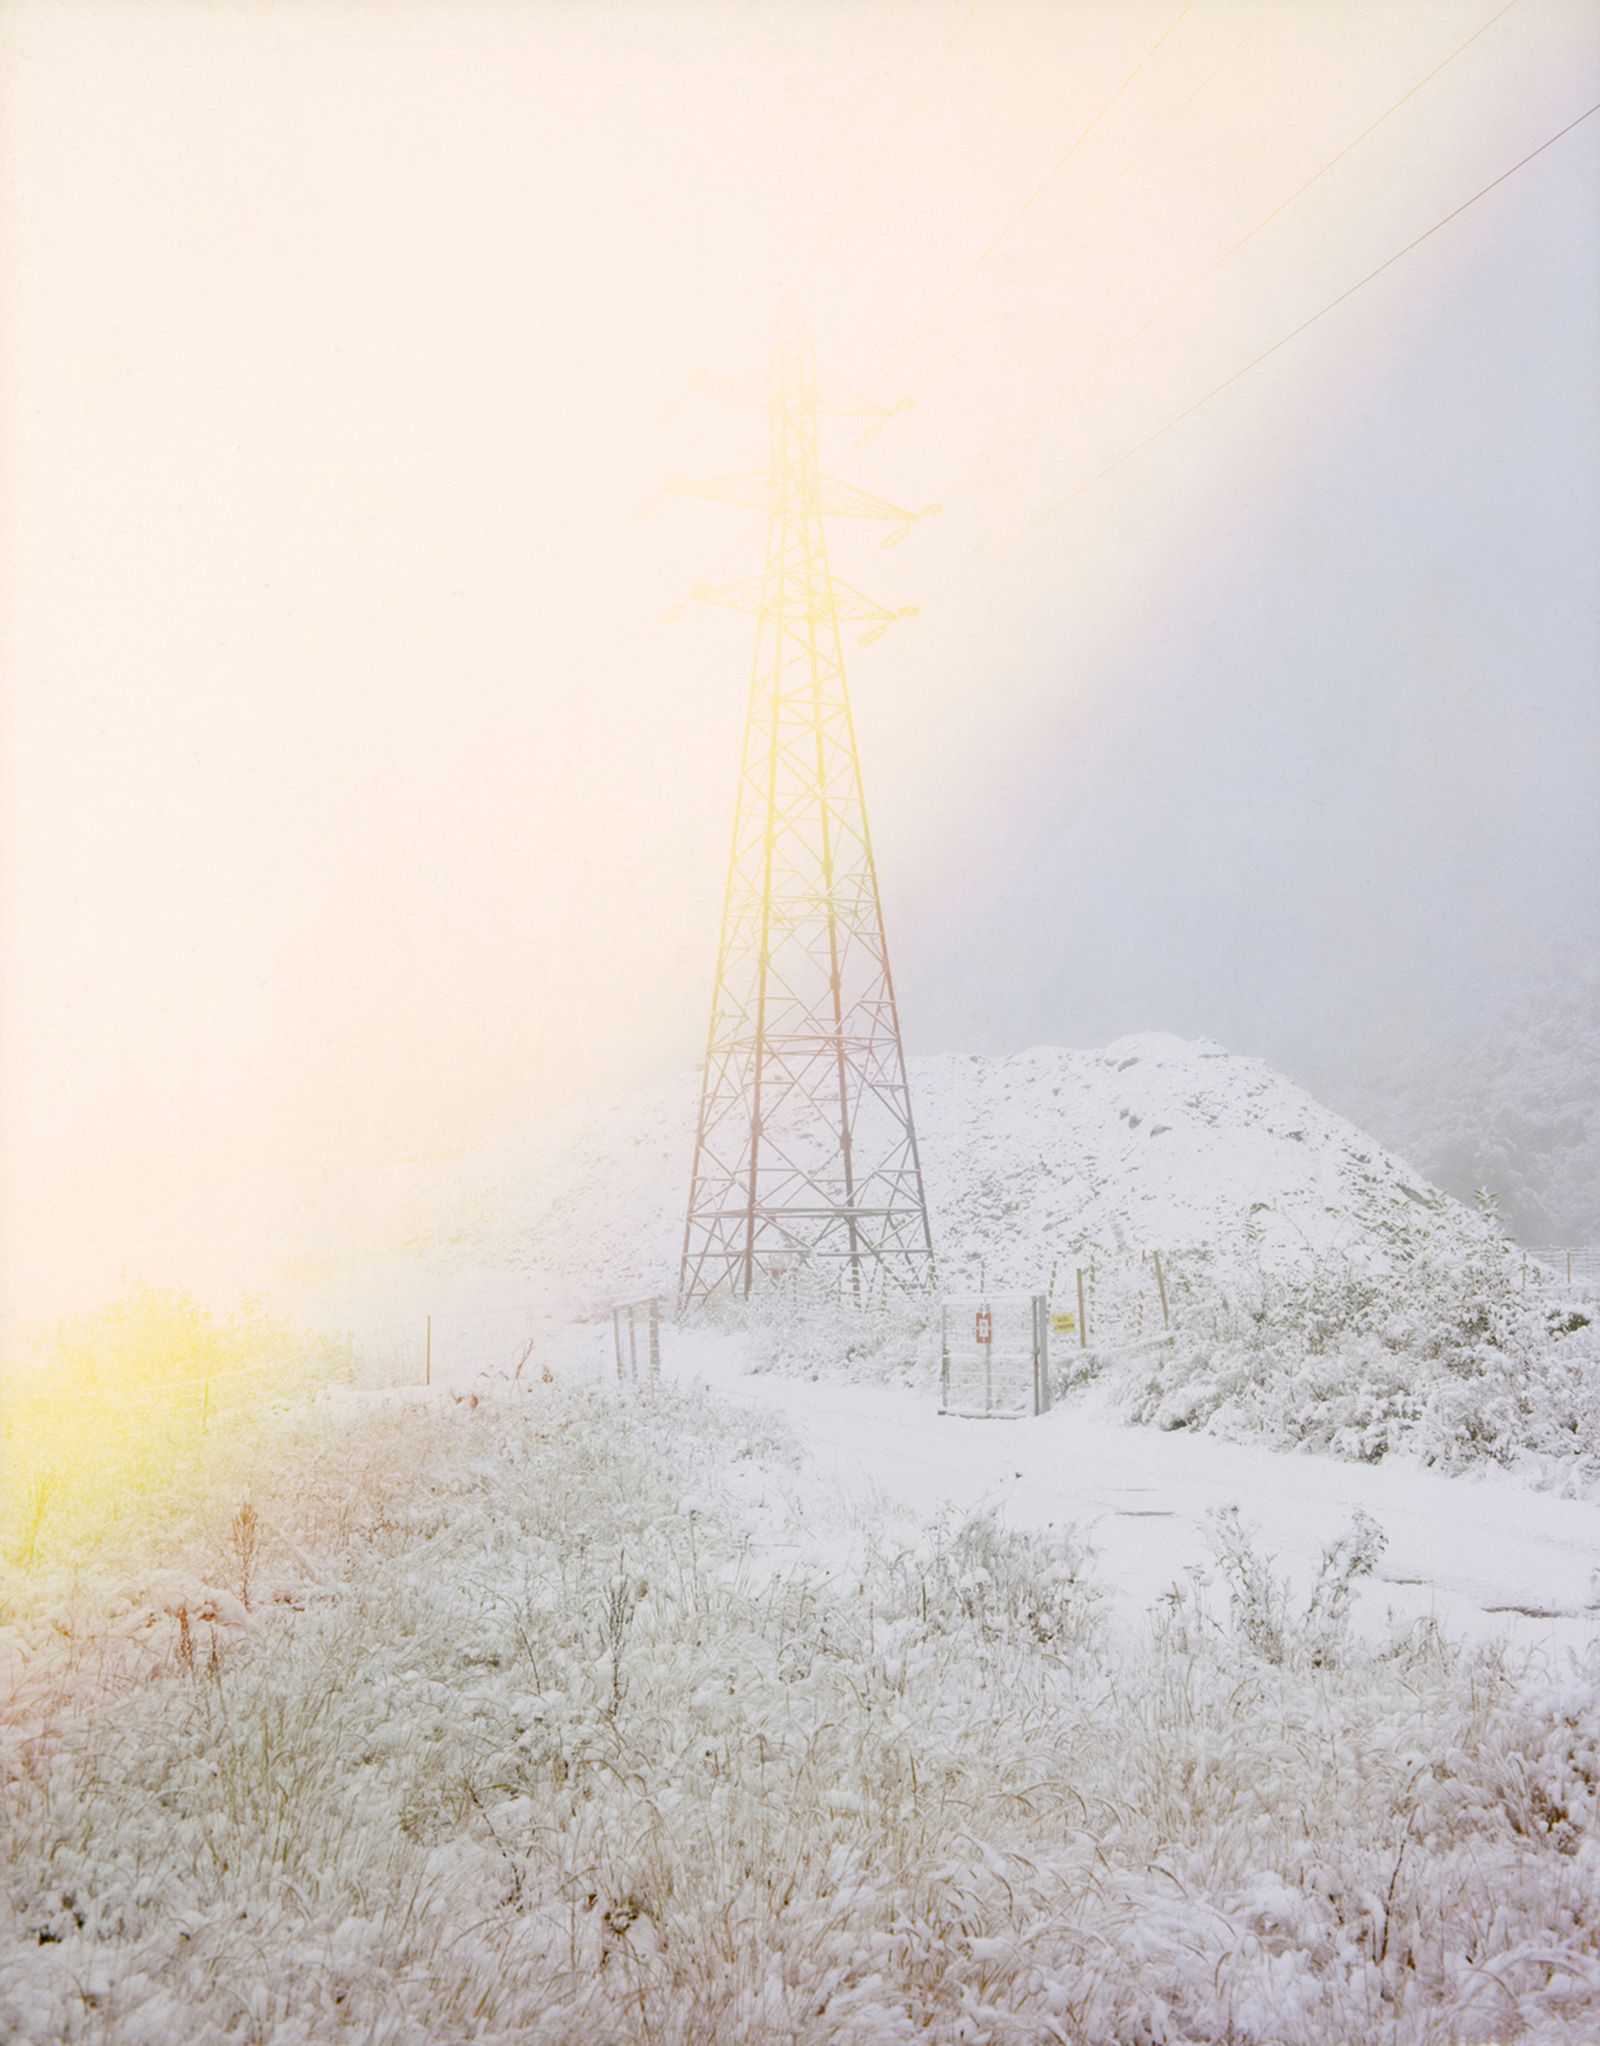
x=806, y=1148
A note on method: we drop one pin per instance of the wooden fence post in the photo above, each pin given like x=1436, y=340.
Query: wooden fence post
x=1166, y=1319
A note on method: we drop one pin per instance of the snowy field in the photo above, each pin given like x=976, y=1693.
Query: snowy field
x=758, y=1709
x=1482, y=1556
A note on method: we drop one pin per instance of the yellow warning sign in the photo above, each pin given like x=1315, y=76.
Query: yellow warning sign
x=1063, y=1324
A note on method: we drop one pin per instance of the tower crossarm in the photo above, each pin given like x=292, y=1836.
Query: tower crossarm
x=825, y=494
x=827, y=396
x=809, y=606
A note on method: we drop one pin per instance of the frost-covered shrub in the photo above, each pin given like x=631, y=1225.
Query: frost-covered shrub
x=1002, y=1580
x=1259, y=1597
x=1455, y=1361
x=817, y=1334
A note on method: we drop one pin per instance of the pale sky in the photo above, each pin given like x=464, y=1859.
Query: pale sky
x=354, y=801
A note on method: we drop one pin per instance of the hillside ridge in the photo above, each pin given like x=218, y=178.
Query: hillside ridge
x=1031, y=1158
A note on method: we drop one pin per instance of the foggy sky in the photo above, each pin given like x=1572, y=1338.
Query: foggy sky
x=1343, y=789
x=355, y=803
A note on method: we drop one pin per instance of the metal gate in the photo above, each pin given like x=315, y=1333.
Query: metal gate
x=995, y=1351
x=636, y=1335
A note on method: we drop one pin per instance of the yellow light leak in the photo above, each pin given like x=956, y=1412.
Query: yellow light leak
x=107, y=1409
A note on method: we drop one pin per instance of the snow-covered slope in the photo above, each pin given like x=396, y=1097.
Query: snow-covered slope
x=1152, y=1144
x=1038, y=1159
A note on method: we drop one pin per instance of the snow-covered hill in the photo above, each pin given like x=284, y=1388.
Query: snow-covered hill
x=1043, y=1158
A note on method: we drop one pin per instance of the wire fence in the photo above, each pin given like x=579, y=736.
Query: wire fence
x=1101, y=1298
x=1572, y=1269
x=1095, y=1300
x=111, y=1420
x=449, y=1347
x=636, y=1340
x=518, y=1341
x=202, y=1386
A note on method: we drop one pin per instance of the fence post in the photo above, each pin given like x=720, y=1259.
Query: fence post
x=1166, y=1319
x=1083, y=1316
x=655, y=1339
x=1041, y=1353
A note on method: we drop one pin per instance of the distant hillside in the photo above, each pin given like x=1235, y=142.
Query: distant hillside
x=1043, y=1157
x=1516, y=1108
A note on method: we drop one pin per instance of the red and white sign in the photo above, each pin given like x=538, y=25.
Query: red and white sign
x=983, y=1326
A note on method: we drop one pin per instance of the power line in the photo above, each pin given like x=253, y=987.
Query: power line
x=895, y=133
x=1144, y=148
x=988, y=461
x=1060, y=163
x=1177, y=113
x=1294, y=333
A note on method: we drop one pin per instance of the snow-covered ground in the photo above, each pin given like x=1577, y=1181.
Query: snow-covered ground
x=751, y=1709
x=1484, y=1556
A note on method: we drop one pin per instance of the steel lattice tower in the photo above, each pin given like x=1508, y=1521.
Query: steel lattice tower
x=806, y=1148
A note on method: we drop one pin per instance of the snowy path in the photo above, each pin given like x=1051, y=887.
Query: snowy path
x=1486, y=1557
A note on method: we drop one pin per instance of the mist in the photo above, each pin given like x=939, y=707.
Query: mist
x=357, y=804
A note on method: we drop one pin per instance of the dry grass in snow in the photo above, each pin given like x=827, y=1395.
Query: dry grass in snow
x=549, y=1719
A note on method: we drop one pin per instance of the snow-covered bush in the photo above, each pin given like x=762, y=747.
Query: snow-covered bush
x=1007, y=1581
x=1259, y=1598
x=810, y=1334
x=1452, y=1359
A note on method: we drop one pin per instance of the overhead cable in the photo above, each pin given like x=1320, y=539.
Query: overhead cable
x=1177, y=114
x=1060, y=164
x=1045, y=411
x=894, y=135
x=1294, y=333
